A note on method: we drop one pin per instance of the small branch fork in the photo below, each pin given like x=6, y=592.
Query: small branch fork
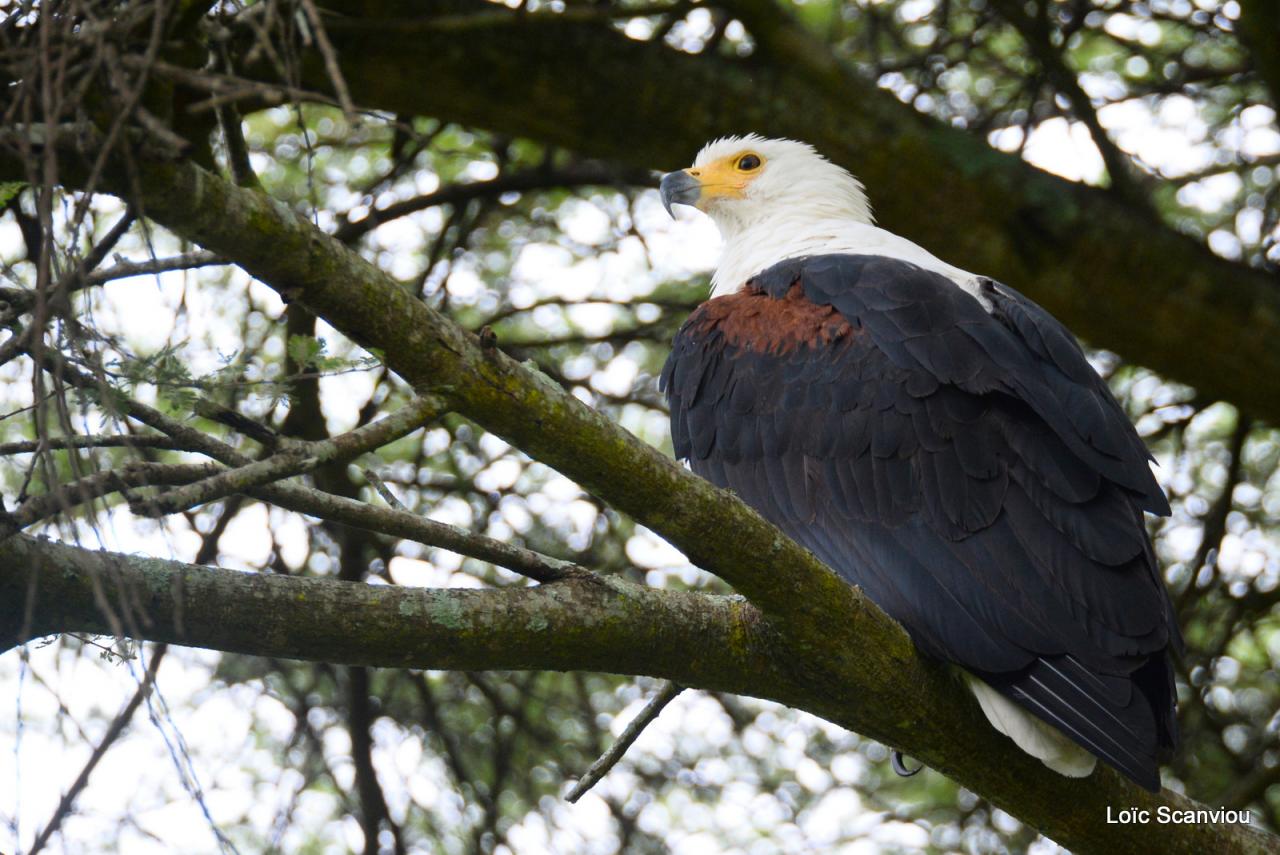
x=610, y=758
x=395, y=521
x=294, y=459
x=526, y=562
x=85, y=490
x=20, y=300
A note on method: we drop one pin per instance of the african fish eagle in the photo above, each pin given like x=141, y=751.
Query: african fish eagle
x=937, y=439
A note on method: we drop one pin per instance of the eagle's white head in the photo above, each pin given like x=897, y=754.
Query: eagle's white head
x=770, y=199
x=740, y=181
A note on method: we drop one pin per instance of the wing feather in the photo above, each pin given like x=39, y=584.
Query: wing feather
x=967, y=468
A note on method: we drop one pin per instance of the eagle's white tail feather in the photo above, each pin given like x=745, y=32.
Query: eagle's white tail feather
x=1032, y=735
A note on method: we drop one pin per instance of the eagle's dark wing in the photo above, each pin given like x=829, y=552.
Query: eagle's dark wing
x=966, y=468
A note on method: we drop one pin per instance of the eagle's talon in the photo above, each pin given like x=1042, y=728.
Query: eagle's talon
x=895, y=757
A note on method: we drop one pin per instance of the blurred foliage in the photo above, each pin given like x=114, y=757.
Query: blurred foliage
x=587, y=282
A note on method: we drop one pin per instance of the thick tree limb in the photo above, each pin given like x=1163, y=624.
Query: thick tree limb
x=609, y=625
x=831, y=651
x=617, y=626
x=1111, y=272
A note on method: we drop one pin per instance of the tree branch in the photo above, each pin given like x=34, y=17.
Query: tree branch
x=1036, y=34
x=327, y=506
x=373, y=803
x=118, y=726
x=294, y=459
x=591, y=623
x=626, y=739
x=67, y=496
x=31, y=446
x=573, y=175
x=1109, y=271
x=124, y=268
x=834, y=651
x=540, y=568
x=609, y=625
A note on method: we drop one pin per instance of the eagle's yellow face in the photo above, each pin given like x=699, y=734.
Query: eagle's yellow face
x=770, y=199
x=750, y=181
x=726, y=177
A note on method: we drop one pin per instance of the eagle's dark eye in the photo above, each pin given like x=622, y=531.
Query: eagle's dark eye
x=749, y=162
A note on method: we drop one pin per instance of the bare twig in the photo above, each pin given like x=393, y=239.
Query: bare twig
x=481, y=20
x=228, y=88
x=99, y=252
x=123, y=268
x=117, y=727
x=526, y=562
x=294, y=460
x=21, y=300
x=67, y=496
x=586, y=173
x=57, y=443
x=14, y=346
x=238, y=161
x=611, y=757
x=384, y=491
x=331, y=65
x=237, y=421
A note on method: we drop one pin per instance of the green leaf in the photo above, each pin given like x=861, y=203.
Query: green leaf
x=10, y=189
x=305, y=350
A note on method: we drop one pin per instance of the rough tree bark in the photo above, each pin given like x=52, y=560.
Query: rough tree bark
x=713, y=642
x=805, y=638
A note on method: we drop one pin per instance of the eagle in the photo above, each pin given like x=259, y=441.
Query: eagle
x=940, y=441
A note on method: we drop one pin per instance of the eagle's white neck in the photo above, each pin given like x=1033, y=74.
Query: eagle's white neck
x=800, y=203
x=750, y=247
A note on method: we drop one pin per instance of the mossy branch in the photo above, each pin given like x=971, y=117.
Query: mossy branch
x=580, y=623
x=830, y=651
x=1112, y=272
x=584, y=621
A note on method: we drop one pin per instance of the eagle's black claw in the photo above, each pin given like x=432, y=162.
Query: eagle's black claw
x=895, y=757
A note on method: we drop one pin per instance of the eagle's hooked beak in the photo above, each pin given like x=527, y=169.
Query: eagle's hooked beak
x=679, y=188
